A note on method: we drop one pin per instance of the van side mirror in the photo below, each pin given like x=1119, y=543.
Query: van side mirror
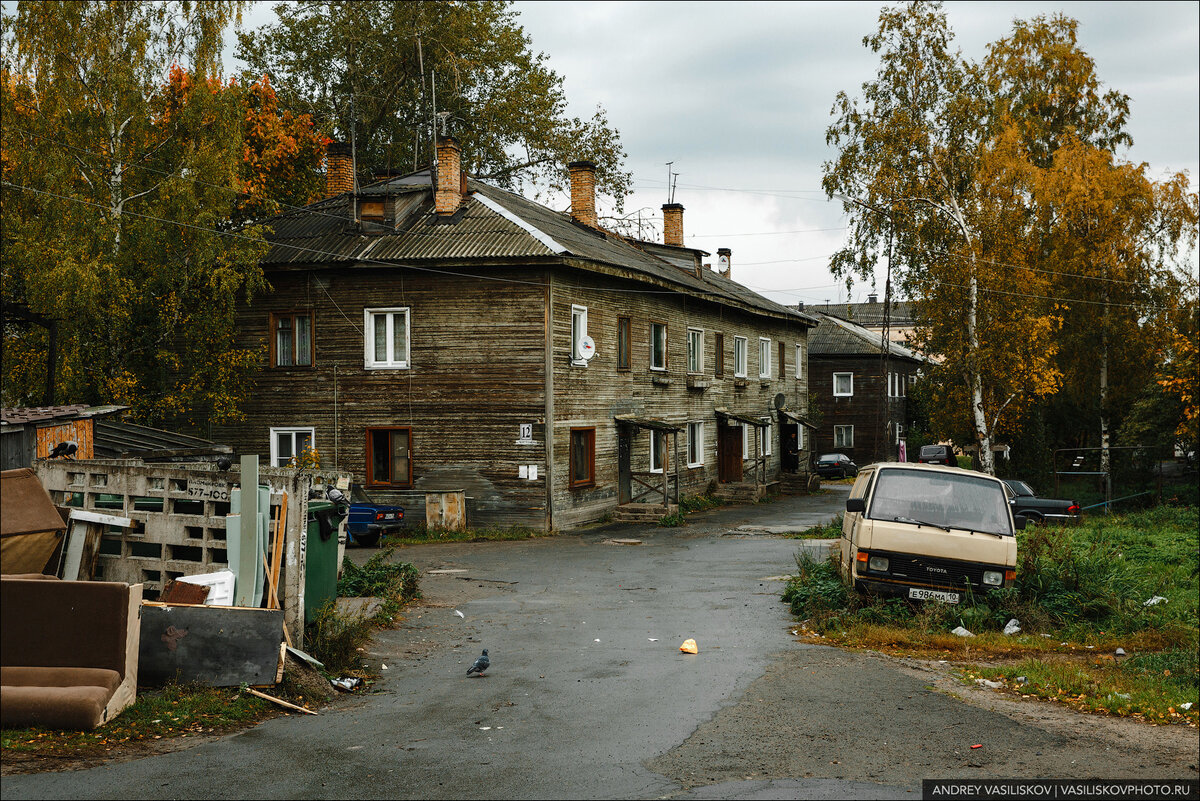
x=859, y=505
x=1019, y=522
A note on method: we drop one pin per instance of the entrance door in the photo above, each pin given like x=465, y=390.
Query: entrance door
x=624, y=446
x=789, y=450
x=729, y=454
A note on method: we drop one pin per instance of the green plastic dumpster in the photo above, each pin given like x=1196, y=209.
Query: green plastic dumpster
x=321, y=556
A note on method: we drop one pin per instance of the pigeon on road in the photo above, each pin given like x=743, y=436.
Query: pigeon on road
x=481, y=664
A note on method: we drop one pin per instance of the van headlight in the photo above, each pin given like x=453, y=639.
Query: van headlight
x=993, y=577
x=879, y=563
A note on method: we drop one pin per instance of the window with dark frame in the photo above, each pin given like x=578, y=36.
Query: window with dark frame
x=719, y=367
x=658, y=346
x=389, y=456
x=291, y=339
x=583, y=457
x=782, y=359
x=623, y=350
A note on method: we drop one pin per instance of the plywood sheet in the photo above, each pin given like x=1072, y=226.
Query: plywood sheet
x=218, y=646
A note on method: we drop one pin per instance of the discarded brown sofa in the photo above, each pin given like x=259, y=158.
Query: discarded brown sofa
x=68, y=651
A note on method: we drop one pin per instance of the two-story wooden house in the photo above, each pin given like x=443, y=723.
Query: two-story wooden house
x=860, y=387
x=433, y=333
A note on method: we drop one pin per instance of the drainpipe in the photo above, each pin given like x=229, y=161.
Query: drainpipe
x=549, y=390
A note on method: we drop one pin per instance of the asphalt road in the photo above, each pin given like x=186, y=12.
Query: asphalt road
x=589, y=696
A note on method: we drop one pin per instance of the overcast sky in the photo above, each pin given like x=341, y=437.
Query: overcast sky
x=738, y=96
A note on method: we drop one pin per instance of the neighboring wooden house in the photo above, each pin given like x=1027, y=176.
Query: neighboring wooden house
x=431, y=333
x=874, y=316
x=860, y=389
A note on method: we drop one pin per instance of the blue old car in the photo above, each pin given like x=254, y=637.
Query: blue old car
x=368, y=520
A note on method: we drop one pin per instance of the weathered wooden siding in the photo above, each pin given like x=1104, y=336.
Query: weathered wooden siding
x=869, y=410
x=477, y=356
x=592, y=395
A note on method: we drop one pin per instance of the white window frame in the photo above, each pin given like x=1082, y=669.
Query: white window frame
x=392, y=362
x=695, y=348
x=578, y=332
x=656, y=443
x=746, y=443
x=662, y=367
x=739, y=356
x=837, y=394
x=277, y=460
x=801, y=366
x=764, y=357
x=695, y=441
x=764, y=439
x=843, y=443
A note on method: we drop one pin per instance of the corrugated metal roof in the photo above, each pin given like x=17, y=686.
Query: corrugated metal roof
x=41, y=414
x=115, y=439
x=492, y=225
x=867, y=314
x=838, y=337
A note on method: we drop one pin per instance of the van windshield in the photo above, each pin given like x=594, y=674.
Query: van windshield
x=947, y=500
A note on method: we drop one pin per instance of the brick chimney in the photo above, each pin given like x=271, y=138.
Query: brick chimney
x=673, y=224
x=339, y=169
x=448, y=196
x=583, y=192
x=724, y=267
x=872, y=298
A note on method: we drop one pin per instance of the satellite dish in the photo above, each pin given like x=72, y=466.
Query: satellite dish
x=587, y=348
x=780, y=401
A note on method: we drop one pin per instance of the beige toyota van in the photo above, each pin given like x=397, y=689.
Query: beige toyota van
x=928, y=532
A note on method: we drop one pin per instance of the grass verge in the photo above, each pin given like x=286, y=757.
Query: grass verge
x=1128, y=581
x=424, y=535
x=176, y=710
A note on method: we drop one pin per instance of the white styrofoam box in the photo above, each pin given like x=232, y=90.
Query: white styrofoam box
x=220, y=584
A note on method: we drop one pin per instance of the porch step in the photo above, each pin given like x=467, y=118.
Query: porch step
x=643, y=512
x=740, y=493
x=799, y=483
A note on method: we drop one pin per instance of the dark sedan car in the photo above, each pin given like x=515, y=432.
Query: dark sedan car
x=368, y=520
x=1026, y=503
x=836, y=465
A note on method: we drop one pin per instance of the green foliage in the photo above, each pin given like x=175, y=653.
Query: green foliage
x=676, y=518
x=699, y=503
x=373, y=69
x=421, y=534
x=128, y=165
x=380, y=578
x=816, y=588
x=336, y=639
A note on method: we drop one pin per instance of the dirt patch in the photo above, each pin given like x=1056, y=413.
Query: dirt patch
x=902, y=720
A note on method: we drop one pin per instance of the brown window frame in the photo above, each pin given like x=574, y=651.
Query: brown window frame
x=782, y=360
x=369, y=472
x=666, y=343
x=719, y=348
x=624, y=343
x=273, y=339
x=589, y=433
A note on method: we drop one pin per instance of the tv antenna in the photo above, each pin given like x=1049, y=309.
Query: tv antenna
x=671, y=181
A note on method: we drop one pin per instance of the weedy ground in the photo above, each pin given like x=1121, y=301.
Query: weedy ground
x=1081, y=593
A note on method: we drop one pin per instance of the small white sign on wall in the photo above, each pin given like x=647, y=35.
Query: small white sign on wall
x=523, y=471
x=526, y=437
x=533, y=472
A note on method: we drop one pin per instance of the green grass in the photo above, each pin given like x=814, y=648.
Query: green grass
x=1080, y=591
x=423, y=535
x=176, y=710
x=829, y=531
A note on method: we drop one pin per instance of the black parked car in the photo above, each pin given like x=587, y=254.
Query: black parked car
x=937, y=454
x=836, y=465
x=1026, y=503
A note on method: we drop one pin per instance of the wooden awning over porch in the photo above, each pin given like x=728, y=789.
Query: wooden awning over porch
x=647, y=422
x=797, y=418
x=724, y=415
